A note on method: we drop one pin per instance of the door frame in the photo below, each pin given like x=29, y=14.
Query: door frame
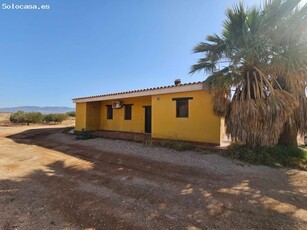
x=147, y=124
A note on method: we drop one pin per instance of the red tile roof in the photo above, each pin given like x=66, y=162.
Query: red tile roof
x=139, y=90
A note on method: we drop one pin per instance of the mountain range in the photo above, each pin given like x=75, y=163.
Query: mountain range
x=45, y=110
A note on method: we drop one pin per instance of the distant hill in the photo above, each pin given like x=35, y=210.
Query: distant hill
x=37, y=109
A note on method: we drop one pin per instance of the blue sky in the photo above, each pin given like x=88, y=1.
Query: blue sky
x=81, y=48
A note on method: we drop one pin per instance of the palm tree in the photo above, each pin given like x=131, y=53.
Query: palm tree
x=262, y=53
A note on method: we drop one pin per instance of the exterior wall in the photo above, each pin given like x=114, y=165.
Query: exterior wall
x=201, y=125
x=118, y=123
x=87, y=116
x=223, y=129
x=80, y=116
x=93, y=115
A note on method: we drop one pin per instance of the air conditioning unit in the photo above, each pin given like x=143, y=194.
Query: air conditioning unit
x=117, y=105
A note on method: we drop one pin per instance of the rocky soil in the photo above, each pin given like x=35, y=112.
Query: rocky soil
x=50, y=180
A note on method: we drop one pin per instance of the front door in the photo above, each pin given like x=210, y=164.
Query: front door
x=147, y=119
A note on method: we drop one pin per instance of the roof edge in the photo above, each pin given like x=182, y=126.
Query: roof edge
x=144, y=92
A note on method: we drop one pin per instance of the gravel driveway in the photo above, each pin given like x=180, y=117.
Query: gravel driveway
x=50, y=180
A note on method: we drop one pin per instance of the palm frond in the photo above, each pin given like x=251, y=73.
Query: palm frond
x=204, y=64
x=266, y=53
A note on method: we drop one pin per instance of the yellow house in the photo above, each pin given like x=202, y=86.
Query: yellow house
x=177, y=112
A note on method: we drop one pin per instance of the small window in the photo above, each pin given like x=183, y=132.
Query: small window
x=109, y=112
x=182, y=108
x=128, y=112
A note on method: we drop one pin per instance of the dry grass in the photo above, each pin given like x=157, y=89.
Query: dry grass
x=221, y=100
x=5, y=119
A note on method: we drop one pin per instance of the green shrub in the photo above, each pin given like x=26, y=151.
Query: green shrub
x=17, y=117
x=60, y=118
x=55, y=117
x=22, y=117
x=34, y=117
x=48, y=118
x=84, y=135
x=71, y=114
x=288, y=156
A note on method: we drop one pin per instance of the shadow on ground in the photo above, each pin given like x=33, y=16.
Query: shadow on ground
x=126, y=192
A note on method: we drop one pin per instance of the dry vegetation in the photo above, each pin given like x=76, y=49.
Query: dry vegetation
x=5, y=121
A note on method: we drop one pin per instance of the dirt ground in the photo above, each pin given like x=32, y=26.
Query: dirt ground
x=49, y=180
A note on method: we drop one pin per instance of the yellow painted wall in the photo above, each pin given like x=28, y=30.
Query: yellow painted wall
x=201, y=125
x=118, y=123
x=93, y=115
x=80, y=116
x=223, y=129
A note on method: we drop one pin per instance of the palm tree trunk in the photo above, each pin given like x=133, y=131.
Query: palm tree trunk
x=288, y=136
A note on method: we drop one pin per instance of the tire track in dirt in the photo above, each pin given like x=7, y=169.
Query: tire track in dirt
x=123, y=191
